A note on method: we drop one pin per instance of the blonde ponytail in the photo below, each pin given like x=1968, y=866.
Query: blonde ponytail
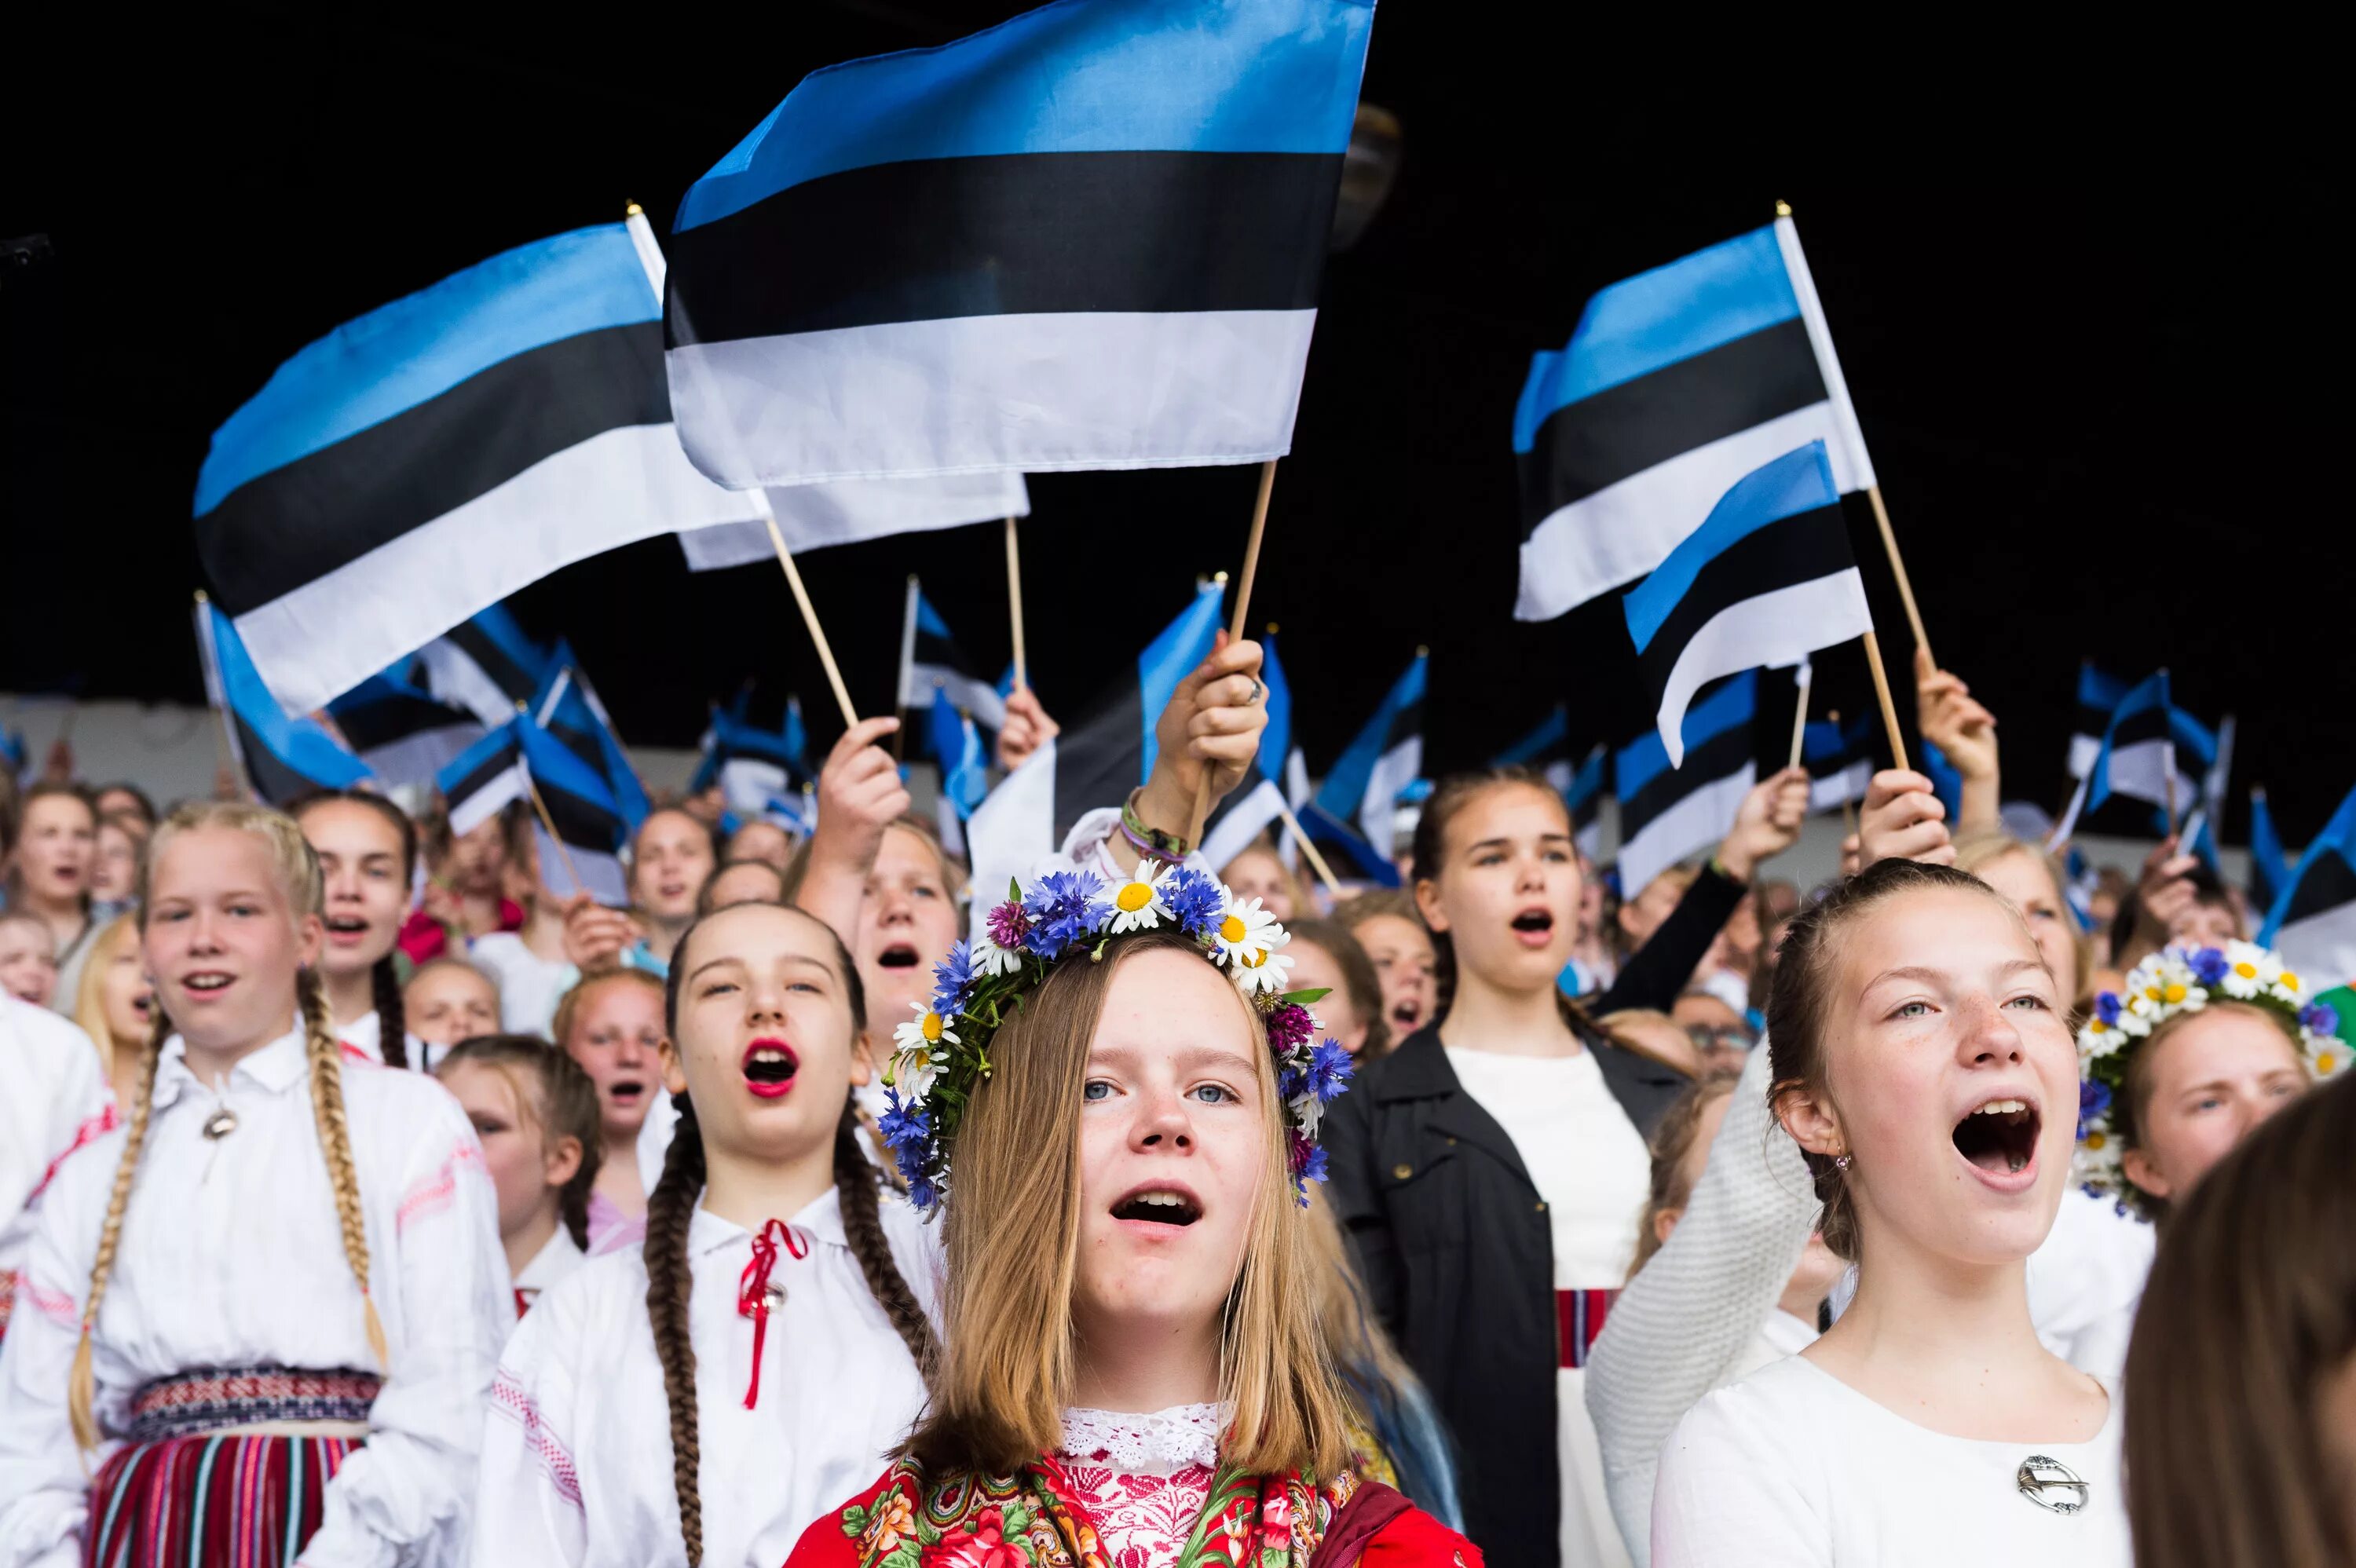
x=82, y=1381
x=326, y=1062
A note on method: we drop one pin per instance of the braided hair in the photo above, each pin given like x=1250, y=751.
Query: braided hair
x=670, y=1210
x=298, y=871
x=384, y=977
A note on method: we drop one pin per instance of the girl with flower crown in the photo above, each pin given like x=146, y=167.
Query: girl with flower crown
x=700, y=1397
x=1119, y=1108
x=265, y=1309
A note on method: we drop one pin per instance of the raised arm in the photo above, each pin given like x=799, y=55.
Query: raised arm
x=859, y=795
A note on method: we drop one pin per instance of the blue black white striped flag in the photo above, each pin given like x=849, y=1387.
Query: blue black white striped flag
x=1839, y=759
x=486, y=664
x=752, y=766
x=1386, y=755
x=956, y=744
x=404, y=734
x=1669, y=811
x=429, y=458
x=2098, y=694
x=1675, y=383
x=567, y=708
x=509, y=764
x=1089, y=237
x=2313, y=921
x=1767, y=580
x=281, y=756
x=2269, y=866
x=931, y=661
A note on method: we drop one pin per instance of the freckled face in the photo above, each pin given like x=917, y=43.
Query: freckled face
x=2211, y=1081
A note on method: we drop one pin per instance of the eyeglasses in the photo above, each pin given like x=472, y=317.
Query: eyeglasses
x=1727, y=1038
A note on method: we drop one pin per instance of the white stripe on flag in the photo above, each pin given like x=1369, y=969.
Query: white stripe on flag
x=2084, y=750
x=415, y=758
x=479, y=808
x=1697, y=821
x=601, y=873
x=1820, y=338
x=747, y=784
x=812, y=517
x=1039, y=392
x=2322, y=948
x=1849, y=784
x=1379, y=810
x=1624, y=530
x=1012, y=830
x=1588, y=840
x=2140, y=772
x=1244, y=820
x=1781, y=627
x=977, y=699
x=452, y=675
x=619, y=485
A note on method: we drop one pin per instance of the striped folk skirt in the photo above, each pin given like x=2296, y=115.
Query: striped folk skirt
x=181, y=1496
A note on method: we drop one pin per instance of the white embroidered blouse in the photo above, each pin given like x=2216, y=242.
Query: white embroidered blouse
x=1142, y=1478
x=56, y=1100
x=232, y=1255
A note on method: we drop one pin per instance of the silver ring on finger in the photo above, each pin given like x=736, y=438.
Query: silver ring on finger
x=1257, y=691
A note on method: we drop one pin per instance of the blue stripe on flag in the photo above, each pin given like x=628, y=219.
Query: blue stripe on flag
x=301, y=745
x=1171, y=657
x=2151, y=694
x=406, y=353
x=2097, y=690
x=551, y=765
x=1546, y=737
x=1643, y=759
x=1081, y=76
x=1344, y=790
x=1798, y=481
x=2337, y=838
x=1654, y=319
x=929, y=619
x=1276, y=741
x=455, y=771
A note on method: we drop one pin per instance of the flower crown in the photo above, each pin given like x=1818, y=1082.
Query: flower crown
x=2171, y=981
x=944, y=1051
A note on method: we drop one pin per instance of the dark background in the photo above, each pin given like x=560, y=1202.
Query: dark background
x=2088, y=315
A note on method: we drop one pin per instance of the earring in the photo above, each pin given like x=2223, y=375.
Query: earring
x=1841, y=1162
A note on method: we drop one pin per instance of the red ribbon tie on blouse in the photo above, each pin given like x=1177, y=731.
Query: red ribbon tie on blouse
x=753, y=1290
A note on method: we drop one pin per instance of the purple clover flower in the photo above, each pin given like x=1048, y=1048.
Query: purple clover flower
x=1008, y=924
x=1289, y=1026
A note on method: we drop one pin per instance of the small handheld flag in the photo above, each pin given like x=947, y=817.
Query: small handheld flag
x=1385, y=757
x=2313, y=921
x=752, y=765
x=520, y=760
x=1839, y=759
x=280, y=756
x=1667, y=812
x=403, y=732
x=1767, y=580
x=1089, y=237
x=568, y=710
x=930, y=661
x=2098, y=694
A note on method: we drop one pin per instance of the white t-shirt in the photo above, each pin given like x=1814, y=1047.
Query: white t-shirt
x=529, y=985
x=1594, y=1173
x=1793, y=1468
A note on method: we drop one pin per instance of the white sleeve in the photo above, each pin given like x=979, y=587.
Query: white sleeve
x=528, y=1508
x=1087, y=849
x=1681, y=1325
x=1728, y=1498
x=409, y=1485
x=44, y=1492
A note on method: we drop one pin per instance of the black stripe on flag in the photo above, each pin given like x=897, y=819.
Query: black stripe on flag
x=582, y=823
x=482, y=776
x=1010, y=234
x=2140, y=728
x=298, y=523
x=1784, y=554
x=1722, y=754
x=2329, y=884
x=1407, y=725
x=273, y=779
x=393, y=717
x=1100, y=761
x=1595, y=442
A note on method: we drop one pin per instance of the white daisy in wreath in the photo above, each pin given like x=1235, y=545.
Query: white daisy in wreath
x=1138, y=904
x=922, y=1044
x=1245, y=933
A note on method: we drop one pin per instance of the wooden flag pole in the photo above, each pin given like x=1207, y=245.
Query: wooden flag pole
x=1235, y=625
x=1898, y=570
x=225, y=757
x=1015, y=605
x=1881, y=691
x=549, y=824
x=1799, y=717
x=1324, y=872
x=809, y=618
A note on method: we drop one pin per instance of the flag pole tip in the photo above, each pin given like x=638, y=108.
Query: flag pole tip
x=201, y=597
x=634, y=210
x=1422, y=652
x=1271, y=629
x=1220, y=578
x=1782, y=209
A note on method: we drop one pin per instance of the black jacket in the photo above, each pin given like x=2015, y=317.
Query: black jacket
x=1457, y=1249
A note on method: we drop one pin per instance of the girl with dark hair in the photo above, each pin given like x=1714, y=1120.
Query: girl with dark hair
x=1491, y=1169
x=701, y=1397
x=368, y=852
x=1923, y=1066
x=536, y=1113
x=2241, y=1411
x=266, y=1308
x=49, y=872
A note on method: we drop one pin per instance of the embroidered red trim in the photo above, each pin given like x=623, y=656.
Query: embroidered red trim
x=435, y=1195
x=92, y=1128
x=508, y=1397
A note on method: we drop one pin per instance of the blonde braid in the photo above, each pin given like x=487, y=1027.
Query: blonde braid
x=82, y=1381
x=336, y=1138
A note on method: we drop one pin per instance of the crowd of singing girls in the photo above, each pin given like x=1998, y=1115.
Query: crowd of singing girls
x=365, y=1199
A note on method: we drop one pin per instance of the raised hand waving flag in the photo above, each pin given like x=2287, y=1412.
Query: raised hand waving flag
x=1767, y=580
x=1089, y=237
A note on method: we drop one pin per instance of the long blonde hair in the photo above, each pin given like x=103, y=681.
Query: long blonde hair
x=89, y=992
x=297, y=870
x=1012, y=1235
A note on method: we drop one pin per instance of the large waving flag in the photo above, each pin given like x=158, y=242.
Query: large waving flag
x=281, y=756
x=812, y=517
x=1767, y=580
x=1668, y=811
x=1675, y=383
x=1095, y=763
x=1089, y=237
x=931, y=661
x=1364, y=782
x=2313, y=921
x=429, y=458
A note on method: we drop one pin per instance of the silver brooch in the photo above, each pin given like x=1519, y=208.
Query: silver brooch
x=219, y=1125
x=2051, y=1484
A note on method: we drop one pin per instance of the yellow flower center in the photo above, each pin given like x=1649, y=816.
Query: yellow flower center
x=2327, y=1064
x=2289, y=981
x=2247, y=971
x=2098, y=1026
x=1254, y=960
x=1132, y=897
x=2094, y=1141
x=932, y=1028
x=2175, y=993
x=1233, y=929
x=2152, y=991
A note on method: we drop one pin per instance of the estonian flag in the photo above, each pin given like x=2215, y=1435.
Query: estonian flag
x=1675, y=383
x=2269, y=866
x=2143, y=752
x=430, y=457
x=956, y=745
x=1585, y=798
x=1668, y=811
x=1256, y=804
x=1546, y=750
x=1366, y=781
x=508, y=765
x=281, y=756
x=2313, y=921
x=1093, y=764
x=484, y=663
x=1840, y=762
x=812, y=517
x=568, y=710
x=1089, y=237
x=754, y=767
x=2098, y=695
x=930, y=661
x=404, y=734
x=1767, y=580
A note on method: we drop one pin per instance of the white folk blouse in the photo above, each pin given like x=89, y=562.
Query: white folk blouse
x=56, y=1100
x=576, y=1452
x=232, y=1255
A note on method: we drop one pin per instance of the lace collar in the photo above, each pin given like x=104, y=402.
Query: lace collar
x=1161, y=1444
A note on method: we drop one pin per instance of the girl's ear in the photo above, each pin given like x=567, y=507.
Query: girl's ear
x=1811, y=1120
x=860, y=1069
x=674, y=1074
x=310, y=936
x=561, y=1161
x=1427, y=904
x=2137, y=1167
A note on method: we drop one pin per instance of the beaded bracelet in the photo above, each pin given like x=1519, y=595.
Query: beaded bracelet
x=1148, y=840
